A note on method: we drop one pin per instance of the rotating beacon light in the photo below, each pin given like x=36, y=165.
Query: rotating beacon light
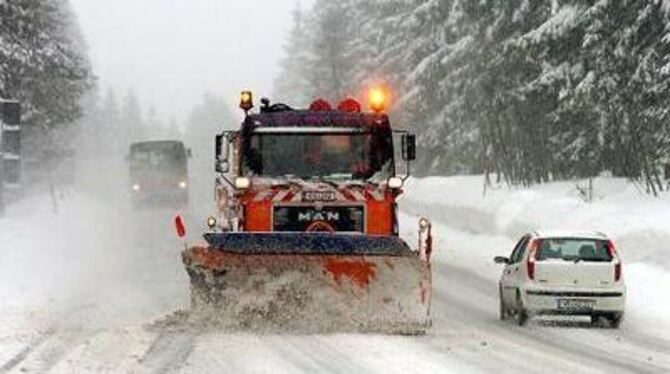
x=378, y=99
x=246, y=101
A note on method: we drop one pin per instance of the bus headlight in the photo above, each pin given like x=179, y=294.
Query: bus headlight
x=242, y=183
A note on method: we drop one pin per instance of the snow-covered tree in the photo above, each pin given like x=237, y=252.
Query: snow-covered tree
x=529, y=90
x=42, y=62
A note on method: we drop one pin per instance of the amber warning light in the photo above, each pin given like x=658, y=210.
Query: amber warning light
x=246, y=100
x=378, y=99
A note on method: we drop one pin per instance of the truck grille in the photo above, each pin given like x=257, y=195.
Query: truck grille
x=300, y=218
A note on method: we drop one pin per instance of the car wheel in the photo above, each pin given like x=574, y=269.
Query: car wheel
x=503, y=308
x=615, y=320
x=521, y=312
x=595, y=319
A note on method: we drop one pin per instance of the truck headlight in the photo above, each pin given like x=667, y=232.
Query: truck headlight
x=242, y=183
x=211, y=222
x=182, y=185
x=395, y=183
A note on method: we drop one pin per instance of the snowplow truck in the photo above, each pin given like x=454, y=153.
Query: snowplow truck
x=306, y=232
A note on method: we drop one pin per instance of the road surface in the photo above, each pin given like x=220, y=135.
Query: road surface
x=82, y=286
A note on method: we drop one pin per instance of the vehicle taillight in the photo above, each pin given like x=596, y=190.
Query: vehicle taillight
x=532, y=255
x=617, y=265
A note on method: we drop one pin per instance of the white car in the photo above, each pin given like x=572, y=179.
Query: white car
x=563, y=273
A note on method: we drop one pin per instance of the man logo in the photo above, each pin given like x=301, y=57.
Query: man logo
x=318, y=216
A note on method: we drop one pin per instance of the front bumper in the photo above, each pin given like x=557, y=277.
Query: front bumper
x=546, y=301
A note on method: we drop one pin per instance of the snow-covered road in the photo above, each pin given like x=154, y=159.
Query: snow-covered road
x=78, y=288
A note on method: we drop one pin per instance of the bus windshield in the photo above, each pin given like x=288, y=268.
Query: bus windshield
x=157, y=155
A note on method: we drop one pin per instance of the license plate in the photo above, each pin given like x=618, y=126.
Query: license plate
x=313, y=196
x=575, y=304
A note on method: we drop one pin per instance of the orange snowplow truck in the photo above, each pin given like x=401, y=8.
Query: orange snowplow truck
x=306, y=233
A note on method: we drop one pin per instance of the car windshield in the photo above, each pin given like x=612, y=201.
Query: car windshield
x=338, y=156
x=157, y=155
x=573, y=250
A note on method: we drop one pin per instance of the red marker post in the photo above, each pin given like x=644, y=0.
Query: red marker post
x=181, y=229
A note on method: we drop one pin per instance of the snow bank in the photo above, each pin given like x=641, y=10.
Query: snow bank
x=481, y=222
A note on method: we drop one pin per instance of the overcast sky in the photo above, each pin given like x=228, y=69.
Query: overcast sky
x=170, y=52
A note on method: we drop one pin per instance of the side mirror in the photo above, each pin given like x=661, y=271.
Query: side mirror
x=189, y=152
x=501, y=260
x=221, y=152
x=222, y=166
x=218, y=148
x=11, y=113
x=409, y=147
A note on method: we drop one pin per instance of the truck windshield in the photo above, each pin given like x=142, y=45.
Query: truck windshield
x=352, y=156
x=157, y=155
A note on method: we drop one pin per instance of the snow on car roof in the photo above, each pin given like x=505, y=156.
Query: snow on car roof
x=569, y=234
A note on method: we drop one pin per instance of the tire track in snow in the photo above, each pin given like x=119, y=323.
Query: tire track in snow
x=302, y=360
x=326, y=354
x=23, y=354
x=50, y=336
x=50, y=350
x=169, y=352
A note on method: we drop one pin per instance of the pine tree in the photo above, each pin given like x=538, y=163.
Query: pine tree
x=291, y=85
x=529, y=90
x=42, y=62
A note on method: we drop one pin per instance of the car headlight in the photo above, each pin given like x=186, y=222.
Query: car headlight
x=182, y=185
x=242, y=183
x=136, y=187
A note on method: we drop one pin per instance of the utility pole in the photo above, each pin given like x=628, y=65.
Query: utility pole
x=2, y=168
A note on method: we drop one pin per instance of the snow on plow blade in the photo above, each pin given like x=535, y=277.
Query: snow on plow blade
x=312, y=282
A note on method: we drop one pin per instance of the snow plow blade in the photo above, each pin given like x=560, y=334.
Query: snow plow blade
x=309, y=282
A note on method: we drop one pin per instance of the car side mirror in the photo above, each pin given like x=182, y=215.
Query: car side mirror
x=409, y=147
x=501, y=260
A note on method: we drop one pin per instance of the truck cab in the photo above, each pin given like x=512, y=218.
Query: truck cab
x=158, y=173
x=312, y=170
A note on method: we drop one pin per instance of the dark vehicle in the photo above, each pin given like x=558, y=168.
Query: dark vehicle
x=159, y=173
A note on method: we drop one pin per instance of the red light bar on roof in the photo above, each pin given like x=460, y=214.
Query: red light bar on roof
x=320, y=105
x=349, y=105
